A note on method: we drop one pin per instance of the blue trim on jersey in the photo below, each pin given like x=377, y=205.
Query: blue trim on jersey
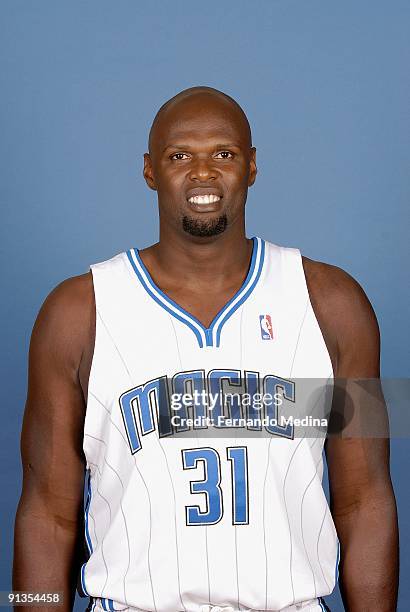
x=87, y=533
x=155, y=298
x=87, y=507
x=246, y=294
x=319, y=599
x=86, y=593
x=337, y=562
x=201, y=332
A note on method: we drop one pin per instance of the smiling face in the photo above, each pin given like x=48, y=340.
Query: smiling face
x=201, y=163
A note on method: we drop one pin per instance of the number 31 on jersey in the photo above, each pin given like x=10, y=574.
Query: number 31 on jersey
x=210, y=485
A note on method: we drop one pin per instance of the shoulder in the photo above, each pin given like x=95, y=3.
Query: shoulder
x=70, y=299
x=346, y=317
x=65, y=320
x=334, y=285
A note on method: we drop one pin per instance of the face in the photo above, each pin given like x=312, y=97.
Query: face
x=201, y=164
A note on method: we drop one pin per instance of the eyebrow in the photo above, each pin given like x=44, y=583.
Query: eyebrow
x=181, y=147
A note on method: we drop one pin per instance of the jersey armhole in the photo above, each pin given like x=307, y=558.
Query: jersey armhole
x=91, y=377
x=297, y=271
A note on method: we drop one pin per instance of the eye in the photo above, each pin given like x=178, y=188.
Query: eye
x=225, y=154
x=178, y=156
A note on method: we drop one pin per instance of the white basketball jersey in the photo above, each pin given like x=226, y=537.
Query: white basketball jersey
x=218, y=518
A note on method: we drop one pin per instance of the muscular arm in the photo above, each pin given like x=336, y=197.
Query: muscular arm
x=49, y=516
x=361, y=496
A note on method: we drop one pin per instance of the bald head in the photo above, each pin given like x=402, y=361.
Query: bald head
x=200, y=140
x=200, y=101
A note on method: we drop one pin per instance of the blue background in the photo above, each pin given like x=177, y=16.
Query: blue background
x=326, y=88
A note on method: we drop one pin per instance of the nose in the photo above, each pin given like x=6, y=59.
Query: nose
x=202, y=170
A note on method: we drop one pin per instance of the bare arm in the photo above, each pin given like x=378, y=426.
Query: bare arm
x=361, y=495
x=48, y=523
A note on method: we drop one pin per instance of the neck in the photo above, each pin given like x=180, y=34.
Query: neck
x=194, y=260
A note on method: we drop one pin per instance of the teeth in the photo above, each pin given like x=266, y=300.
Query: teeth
x=204, y=199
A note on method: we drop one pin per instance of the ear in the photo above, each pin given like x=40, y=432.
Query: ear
x=252, y=167
x=148, y=172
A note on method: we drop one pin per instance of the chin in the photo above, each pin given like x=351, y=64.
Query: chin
x=204, y=227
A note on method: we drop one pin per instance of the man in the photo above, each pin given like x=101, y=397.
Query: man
x=230, y=522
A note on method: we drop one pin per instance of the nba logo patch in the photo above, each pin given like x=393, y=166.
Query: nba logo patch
x=265, y=324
